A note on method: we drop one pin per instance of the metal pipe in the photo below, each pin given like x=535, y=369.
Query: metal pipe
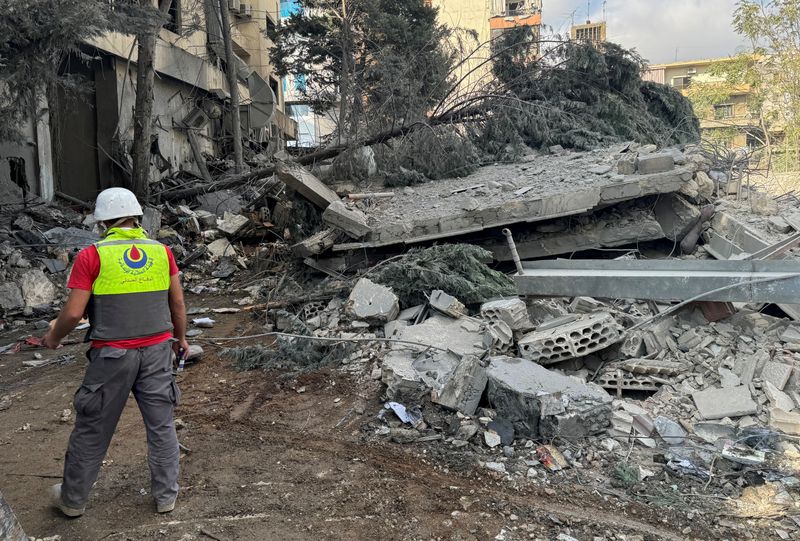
x=513, y=249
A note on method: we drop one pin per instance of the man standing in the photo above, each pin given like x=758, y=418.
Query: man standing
x=130, y=288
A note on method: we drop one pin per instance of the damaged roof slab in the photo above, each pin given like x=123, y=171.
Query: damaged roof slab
x=455, y=207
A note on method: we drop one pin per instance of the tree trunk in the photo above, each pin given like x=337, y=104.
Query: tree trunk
x=344, y=77
x=233, y=83
x=143, y=113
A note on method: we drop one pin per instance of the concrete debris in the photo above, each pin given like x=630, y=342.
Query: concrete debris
x=499, y=337
x=316, y=243
x=776, y=373
x=232, y=224
x=655, y=163
x=571, y=337
x=463, y=391
x=71, y=237
x=513, y=312
x=372, y=302
x=10, y=297
x=37, y=289
x=671, y=432
x=221, y=248
x=352, y=221
x=721, y=403
x=540, y=402
x=303, y=182
x=219, y=202
x=786, y=422
x=676, y=216
x=446, y=304
x=778, y=398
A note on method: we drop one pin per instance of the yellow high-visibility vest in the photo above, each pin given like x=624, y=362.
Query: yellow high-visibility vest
x=130, y=296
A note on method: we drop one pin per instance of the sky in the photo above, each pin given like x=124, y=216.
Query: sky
x=660, y=30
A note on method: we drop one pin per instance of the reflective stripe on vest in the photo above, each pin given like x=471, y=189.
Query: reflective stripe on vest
x=130, y=294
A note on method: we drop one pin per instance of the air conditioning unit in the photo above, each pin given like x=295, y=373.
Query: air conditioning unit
x=691, y=71
x=246, y=10
x=233, y=5
x=196, y=119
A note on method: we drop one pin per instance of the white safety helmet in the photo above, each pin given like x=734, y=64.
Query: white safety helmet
x=115, y=203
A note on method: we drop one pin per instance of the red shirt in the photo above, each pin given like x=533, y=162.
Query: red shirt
x=86, y=270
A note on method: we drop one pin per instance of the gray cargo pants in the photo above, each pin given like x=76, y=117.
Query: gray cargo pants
x=110, y=377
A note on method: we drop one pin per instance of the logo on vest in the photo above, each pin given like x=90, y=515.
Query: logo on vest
x=135, y=261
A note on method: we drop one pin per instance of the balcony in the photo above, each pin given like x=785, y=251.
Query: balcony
x=286, y=125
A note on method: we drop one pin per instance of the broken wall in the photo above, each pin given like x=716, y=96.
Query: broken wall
x=173, y=101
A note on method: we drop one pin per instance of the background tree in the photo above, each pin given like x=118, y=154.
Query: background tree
x=35, y=37
x=380, y=63
x=143, y=112
x=771, y=68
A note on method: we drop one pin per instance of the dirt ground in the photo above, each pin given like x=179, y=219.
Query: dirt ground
x=269, y=462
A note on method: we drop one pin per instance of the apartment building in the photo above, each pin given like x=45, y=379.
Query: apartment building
x=486, y=20
x=590, y=32
x=731, y=114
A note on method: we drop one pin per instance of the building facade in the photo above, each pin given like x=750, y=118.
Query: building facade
x=727, y=119
x=89, y=137
x=590, y=32
x=486, y=20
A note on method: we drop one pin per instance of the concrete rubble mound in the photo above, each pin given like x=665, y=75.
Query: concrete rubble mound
x=617, y=353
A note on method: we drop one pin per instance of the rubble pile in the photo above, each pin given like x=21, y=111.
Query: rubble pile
x=527, y=386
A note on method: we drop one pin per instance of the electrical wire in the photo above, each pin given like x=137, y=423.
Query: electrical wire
x=321, y=339
x=680, y=305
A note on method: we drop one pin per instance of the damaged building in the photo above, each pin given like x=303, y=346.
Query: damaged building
x=80, y=144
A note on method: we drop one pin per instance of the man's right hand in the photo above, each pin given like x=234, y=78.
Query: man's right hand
x=178, y=345
x=50, y=342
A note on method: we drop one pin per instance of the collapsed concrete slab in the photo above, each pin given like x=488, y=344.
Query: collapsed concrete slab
x=541, y=403
x=506, y=194
x=351, y=221
x=629, y=228
x=303, y=182
x=728, y=402
x=570, y=337
x=369, y=301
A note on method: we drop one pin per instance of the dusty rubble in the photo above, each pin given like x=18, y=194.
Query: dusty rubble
x=530, y=388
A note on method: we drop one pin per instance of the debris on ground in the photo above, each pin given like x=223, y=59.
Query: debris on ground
x=604, y=379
